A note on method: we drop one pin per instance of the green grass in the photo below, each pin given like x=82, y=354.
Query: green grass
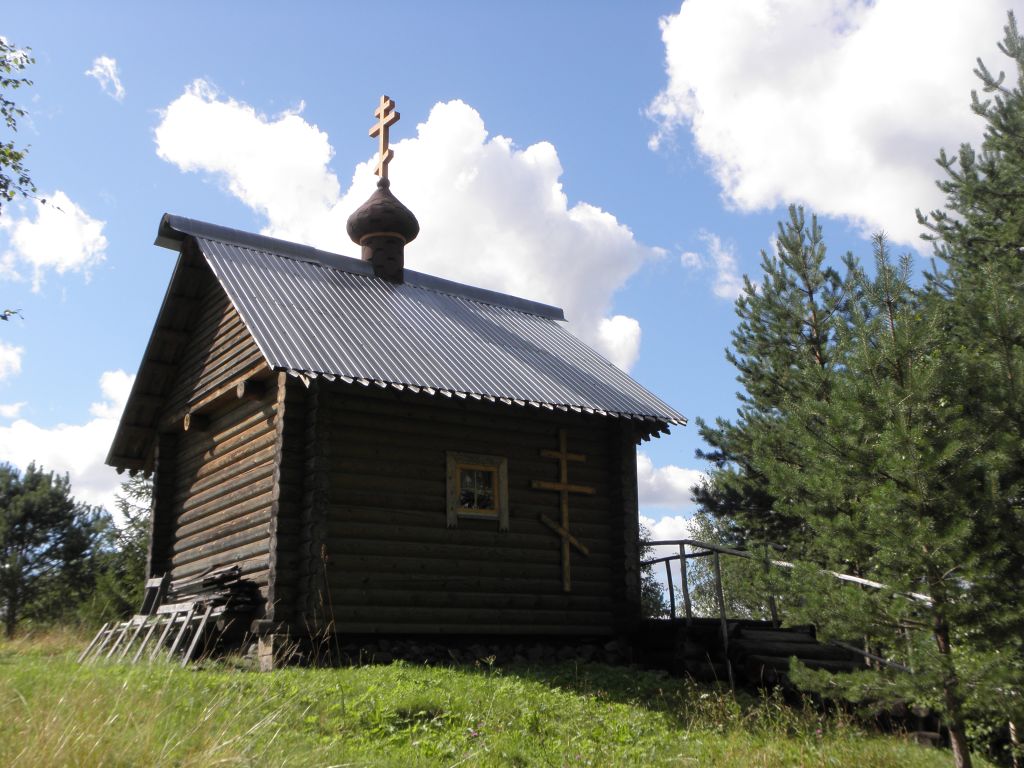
x=58, y=713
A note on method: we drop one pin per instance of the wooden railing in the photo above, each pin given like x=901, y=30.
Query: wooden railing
x=698, y=549
x=690, y=549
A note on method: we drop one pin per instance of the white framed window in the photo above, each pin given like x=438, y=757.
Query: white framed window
x=477, y=488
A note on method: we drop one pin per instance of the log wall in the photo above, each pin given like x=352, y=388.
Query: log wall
x=392, y=565
x=218, y=483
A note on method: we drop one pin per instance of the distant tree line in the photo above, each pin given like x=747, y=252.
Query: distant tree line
x=880, y=432
x=65, y=561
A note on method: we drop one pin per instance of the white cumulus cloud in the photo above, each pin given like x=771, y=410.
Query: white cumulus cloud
x=667, y=486
x=104, y=70
x=840, y=105
x=62, y=237
x=10, y=360
x=78, y=449
x=667, y=528
x=491, y=214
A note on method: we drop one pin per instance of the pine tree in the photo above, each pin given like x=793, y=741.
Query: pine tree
x=46, y=542
x=782, y=349
x=882, y=464
x=119, y=564
x=979, y=293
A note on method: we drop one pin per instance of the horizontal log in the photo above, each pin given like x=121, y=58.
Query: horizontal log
x=785, y=650
x=441, y=584
x=466, y=554
x=523, y=519
x=251, y=389
x=479, y=438
x=433, y=531
x=210, y=528
x=242, y=501
x=417, y=463
x=344, y=628
x=384, y=598
x=195, y=421
x=256, y=547
x=196, y=452
x=583, y=568
x=257, y=477
x=411, y=616
x=207, y=396
x=368, y=400
x=213, y=473
x=255, y=539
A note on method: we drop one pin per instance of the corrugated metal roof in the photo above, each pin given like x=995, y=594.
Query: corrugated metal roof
x=318, y=314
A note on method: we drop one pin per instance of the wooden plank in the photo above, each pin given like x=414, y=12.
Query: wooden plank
x=196, y=635
x=169, y=623
x=181, y=633
x=252, y=561
x=152, y=627
x=139, y=621
x=82, y=656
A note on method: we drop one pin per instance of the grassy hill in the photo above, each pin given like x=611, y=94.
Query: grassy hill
x=57, y=713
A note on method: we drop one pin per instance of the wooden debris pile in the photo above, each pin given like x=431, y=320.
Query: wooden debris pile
x=183, y=618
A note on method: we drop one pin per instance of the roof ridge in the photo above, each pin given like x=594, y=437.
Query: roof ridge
x=173, y=229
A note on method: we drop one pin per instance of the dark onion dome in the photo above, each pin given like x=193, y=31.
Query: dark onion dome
x=382, y=214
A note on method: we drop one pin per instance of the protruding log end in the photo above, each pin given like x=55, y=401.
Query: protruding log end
x=195, y=422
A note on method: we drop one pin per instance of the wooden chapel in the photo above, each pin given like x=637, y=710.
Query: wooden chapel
x=380, y=450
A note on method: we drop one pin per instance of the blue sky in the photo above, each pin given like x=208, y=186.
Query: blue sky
x=627, y=161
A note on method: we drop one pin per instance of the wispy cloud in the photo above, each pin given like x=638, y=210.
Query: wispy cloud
x=11, y=410
x=10, y=360
x=104, y=70
x=728, y=282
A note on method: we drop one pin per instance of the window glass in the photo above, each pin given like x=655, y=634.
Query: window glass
x=476, y=488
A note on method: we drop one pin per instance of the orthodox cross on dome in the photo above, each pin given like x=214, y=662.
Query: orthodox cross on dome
x=564, y=488
x=386, y=117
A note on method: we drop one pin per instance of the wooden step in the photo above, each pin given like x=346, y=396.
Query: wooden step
x=781, y=663
x=776, y=636
x=818, y=651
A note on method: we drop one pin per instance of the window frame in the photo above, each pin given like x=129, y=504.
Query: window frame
x=458, y=460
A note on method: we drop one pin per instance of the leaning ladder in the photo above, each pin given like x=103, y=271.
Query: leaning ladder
x=181, y=625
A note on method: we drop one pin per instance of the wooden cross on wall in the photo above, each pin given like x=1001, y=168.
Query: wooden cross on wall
x=386, y=117
x=564, y=488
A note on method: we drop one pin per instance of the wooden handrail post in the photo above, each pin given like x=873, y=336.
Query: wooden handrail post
x=720, y=593
x=685, y=583
x=771, y=594
x=671, y=590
